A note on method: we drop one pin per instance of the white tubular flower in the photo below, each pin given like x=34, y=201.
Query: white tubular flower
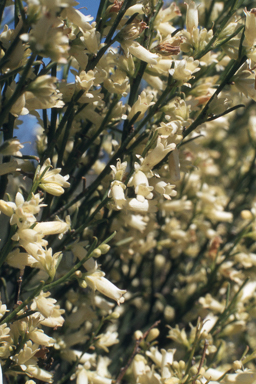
x=139, y=51
x=53, y=227
x=141, y=105
x=118, y=171
x=137, y=8
x=168, y=13
x=103, y=304
x=164, y=16
x=22, y=212
x=157, y=154
x=118, y=83
x=8, y=208
x=33, y=249
x=85, y=80
x=81, y=375
x=117, y=193
x=107, y=339
x=43, y=86
x=218, y=215
x=91, y=40
x=97, y=281
x=48, y=37
x=20, y=260
x=39, y=337
x=52, y=182
x=191, y=16
x=210, y=303
x=244, y=81
x=146, y=206
x=250, y=28
x=26, y=355
x=169, y=129
x=3, y=310
x=167, y=190
x=209, y=323
x=177, y=205
x=141, y=186
x=29, y=235
x=155, y=355
x=78, y=18
x=136, y=221
x=55, y=320
x=11, y=147
x=94, y=378
x=167, y=360
x=43, y=304
x=184, y=69
x=39, y=373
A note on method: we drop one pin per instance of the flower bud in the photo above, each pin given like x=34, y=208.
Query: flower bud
x=153, y=334
x=237, y=365
x=246, y=214
x=191, y=16
x=104, y=248
x=96, y=253
x=138, y=335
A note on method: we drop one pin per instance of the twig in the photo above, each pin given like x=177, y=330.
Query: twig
x=134, y=353
x=202, y=360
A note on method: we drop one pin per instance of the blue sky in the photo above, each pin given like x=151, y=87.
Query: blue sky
x=91, y=7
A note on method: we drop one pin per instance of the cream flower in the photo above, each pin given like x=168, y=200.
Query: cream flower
x=78, y=18
x=250, y=28
x=117, y=193
x=141, y=105
x=244, y=81
x=11, y=147
x=184, y=69
x=191, y=16
x=51, y=181
x=53, y=227
x=141, y=185
x=157, y=154
x=97, y=281
x=107, y=339
x=139, y=51
x=118, y=170
x=48, y=37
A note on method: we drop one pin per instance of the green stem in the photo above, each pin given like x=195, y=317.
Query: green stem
x=26, y=302
x=66, y=116
x=109, y=41
x=86, y=347
x=18, y=91
x=101, y=11
x=64, y=278
x=202, y=117
x=84, y=146
x=120, y=152
x=8, y=245
x=209, y=46
x=2, y=7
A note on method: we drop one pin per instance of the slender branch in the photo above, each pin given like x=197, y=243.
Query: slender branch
x=134, y=353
